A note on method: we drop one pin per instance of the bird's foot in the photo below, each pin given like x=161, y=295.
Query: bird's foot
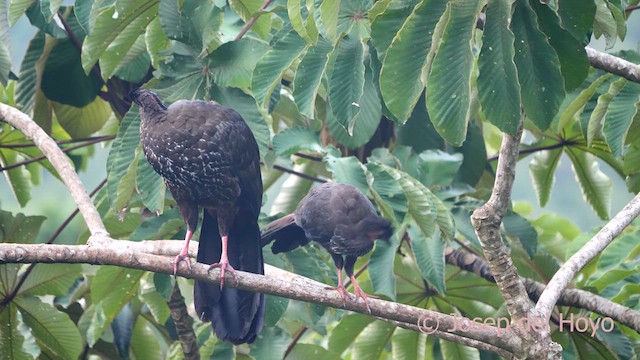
x=224, y=266
x=360, y=294
x=343, y=293
x=178, y=259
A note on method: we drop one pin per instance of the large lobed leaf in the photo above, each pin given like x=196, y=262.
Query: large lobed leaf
x=449, y=97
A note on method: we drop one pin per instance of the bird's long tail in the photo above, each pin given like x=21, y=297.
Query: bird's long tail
x=237, y=316
x=286, y=233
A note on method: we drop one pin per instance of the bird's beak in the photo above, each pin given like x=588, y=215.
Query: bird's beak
x=133, y=95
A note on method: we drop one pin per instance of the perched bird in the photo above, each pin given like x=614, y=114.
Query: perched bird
x=209, y=159
x=341, y=219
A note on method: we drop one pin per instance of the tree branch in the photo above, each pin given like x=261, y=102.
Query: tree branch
x=184, y=325
x=570, y=297
x=252, y=21
x=144, y=255
x=61, y=163
x=613, y=64
x=590, y=250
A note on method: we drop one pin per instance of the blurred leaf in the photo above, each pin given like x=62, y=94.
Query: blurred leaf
x=84, y=121
x=53, y=329
x=348, y=170
x=232, y=63
x=18, y=178
x=310, y=351
x=347, y=330
x=271, y=343
x=112, y=288
x=51, y=279
x=346, y=81
x=150, y=186
x=402, y=77
x=326, y=16
x=619, y=116
x=451, y=350
x=408, y=344
x=145, y=341
x=120, y=172
x=474, y=156
x=309, y=74
x=517, y=226
x=12, y=340
x=17, y=9
x=449, y=97
x=498, y=87
x=577, y=17
x=274, y=62
x=26, y=85
x=542, y=88
x=605, y=24
x=372, y=341
x=594, y=184
x=574, y=63
x=129, y=18
x=302, y=20
x=381, y=268
x=429, y=253
x=594, y=127
x=292, y=140
x=19, y=229
x=418, y=132
x=249, y=8
x=542, y=169
x=366, y=122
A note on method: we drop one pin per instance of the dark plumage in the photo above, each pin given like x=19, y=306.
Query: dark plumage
x=209, y=159
x=341, y=219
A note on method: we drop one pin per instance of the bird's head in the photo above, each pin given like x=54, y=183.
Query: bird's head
x=146, y=99
x=379, y=228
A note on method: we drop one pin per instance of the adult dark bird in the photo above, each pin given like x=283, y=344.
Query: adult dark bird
x=209, y=159
x=341, y=219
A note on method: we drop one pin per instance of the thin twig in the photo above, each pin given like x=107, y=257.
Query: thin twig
x=297, y=173
x=59, y=142
x=253, y=20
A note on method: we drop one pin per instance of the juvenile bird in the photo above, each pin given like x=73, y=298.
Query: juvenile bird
x=341, y=219
x=209, y=159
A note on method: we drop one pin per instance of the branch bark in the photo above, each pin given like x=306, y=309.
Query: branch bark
x=590, y=250
x=157, y=256
x=613, y=64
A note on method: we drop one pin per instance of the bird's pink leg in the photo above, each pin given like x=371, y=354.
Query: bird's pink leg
x=184, y=253
x=359, y=293
x=223, y=264
x=340, y=289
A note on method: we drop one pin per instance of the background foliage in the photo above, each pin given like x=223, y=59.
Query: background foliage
x=402, y=99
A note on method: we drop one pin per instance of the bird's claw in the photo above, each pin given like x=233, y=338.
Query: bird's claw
x=361, y=294
x=177, y=261
x=224, y=266
x=343, y=293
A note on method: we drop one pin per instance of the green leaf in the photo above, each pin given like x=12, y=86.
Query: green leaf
x=5, y=51
x=65, y=81
x=348, y=170
x=274, y=63
x=402, y=78
x=605, y=24
x=418, y=132
x=114, y=33
x=311, y=351
x=112, y=288
x=12, y=340
x=272, y=342
x=574, y=63
x=53, y=329
x=387, y=19
x=372, y=341
x=594, y=127
x=347, y=330
x=192, y=22
x=302, y=21
x=594, y=184
x=619, y=116
x=346, y=81
x=327, y=18
x=310, y=71
x=275, y=307
x=438, y=167
x=156, y=41
x=542, y=169
x=51, y=279
x=517, y=226
x=576, y=105
x=451, y=350
x=17, y=8
x=368, y=118
x=542, y=87
x=232, y=63
x=498, y=87
x=19, y=229
x=292, y=140
x=150, y=186
x=18, y=178
x=474, y=156
x=408, y=344
x=577, y=17
x=449, y=96
x=121, y=158
x=26, y=86
x=429, y=253
x=145, y=341
x=249, y=8
x=82, y=122
x=381, y=268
